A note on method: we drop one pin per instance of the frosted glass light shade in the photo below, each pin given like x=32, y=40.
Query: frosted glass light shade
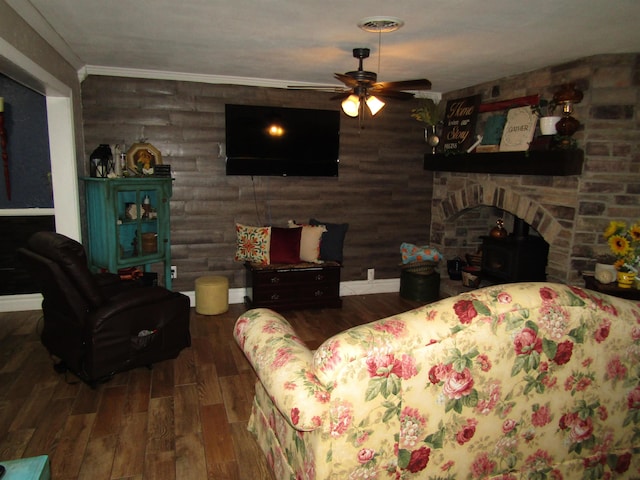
x=374, y=104
x=351, y=105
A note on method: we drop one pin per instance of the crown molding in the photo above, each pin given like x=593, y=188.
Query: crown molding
x=191, y=77
x=218, y=79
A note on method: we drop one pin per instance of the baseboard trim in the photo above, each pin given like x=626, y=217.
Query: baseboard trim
x=33, y=301
x=20, y=303
x=356, y=287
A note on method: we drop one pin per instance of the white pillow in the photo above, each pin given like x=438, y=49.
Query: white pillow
x=309, y=241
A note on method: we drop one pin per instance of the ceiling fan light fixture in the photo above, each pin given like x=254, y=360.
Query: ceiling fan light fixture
x=374, y=104
x=380, y=24
x=351, y=105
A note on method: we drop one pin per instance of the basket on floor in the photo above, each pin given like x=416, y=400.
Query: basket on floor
x=420, y=281
x=424, y=268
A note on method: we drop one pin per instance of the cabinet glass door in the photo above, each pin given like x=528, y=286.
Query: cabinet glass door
x=137, y=231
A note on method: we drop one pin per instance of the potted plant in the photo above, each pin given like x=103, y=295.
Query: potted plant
x=625, y=244
x=431, y=115
x=545, y=111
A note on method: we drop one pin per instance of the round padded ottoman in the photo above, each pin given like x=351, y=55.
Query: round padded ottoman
x=212, y=295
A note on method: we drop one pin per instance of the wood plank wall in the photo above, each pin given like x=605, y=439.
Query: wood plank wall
x=383, y=192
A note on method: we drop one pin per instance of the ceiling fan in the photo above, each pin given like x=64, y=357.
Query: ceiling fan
x=363, y=88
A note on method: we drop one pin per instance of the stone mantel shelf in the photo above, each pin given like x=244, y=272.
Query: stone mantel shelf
x=534, y=162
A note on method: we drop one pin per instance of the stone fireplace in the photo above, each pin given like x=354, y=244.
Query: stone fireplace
x=466, y=207
x=571, y=211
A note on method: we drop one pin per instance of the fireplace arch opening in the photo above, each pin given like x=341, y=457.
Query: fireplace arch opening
x=462, y=216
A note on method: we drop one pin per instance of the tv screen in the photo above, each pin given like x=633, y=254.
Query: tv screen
x=281, y=141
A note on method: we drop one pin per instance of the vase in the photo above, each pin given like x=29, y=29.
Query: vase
x=605, y=273
x=626, y=279
x=548, y=125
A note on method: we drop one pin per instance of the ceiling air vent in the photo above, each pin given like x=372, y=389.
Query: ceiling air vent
x=380, y=24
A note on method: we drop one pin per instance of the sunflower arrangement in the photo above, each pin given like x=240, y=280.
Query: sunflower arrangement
x=625, y=245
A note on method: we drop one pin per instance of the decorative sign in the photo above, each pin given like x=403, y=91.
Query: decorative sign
x=519, y=129
x=460, y=123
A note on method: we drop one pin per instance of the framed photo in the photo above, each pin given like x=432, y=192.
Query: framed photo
x=142, y=158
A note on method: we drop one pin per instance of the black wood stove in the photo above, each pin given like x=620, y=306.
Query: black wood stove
x=518, y=257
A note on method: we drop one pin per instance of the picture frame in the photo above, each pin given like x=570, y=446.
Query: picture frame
x=142, y=159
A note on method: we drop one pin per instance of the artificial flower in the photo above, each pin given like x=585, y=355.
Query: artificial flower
x=625, y=245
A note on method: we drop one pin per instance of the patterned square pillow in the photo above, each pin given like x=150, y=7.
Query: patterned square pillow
x=252, y=244
x=309, y=241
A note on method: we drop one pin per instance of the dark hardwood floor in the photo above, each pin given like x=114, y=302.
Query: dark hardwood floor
x=183, y=419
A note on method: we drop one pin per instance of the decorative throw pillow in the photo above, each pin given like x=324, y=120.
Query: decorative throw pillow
x=252, y=244
x=285, y=245
x=332, y=240
x=309, y=241
x=413, y=253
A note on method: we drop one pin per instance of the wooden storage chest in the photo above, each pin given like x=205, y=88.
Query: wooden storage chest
x=285, y=287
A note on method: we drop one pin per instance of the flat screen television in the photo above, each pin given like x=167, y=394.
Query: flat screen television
x=280, y=141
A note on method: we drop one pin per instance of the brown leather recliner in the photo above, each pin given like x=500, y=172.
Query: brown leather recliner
x=97, y=324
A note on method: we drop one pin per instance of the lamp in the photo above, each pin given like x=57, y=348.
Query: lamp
x=351, y=105
x=101, y=161
x=567, y=96
x=374, y=104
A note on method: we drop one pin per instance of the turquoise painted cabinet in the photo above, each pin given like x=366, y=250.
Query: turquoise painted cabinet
x=129, y=223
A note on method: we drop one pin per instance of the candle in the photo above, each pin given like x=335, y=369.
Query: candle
x=1, y=104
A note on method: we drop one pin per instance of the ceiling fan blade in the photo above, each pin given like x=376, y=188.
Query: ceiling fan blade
x=301, y=87
x=346, y=79
x=320, y=88
x=341, y=96
x=384, y=93
x=418, y=84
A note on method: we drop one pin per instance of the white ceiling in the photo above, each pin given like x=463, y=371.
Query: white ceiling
x=453, y=43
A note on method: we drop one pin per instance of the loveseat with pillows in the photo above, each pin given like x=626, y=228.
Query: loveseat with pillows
x=297, y=266
x=526, y=380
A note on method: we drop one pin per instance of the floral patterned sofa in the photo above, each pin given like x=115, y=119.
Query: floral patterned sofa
x=528, y=380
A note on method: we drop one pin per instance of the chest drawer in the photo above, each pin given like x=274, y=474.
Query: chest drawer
x=286, y=288
x=293, y=277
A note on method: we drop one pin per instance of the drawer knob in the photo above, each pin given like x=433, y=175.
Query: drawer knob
x=318, y=293
x=275, y=296
x=274, y=279
x=319, y=277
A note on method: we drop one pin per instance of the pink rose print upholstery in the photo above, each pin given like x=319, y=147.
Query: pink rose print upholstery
x=527, y=380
